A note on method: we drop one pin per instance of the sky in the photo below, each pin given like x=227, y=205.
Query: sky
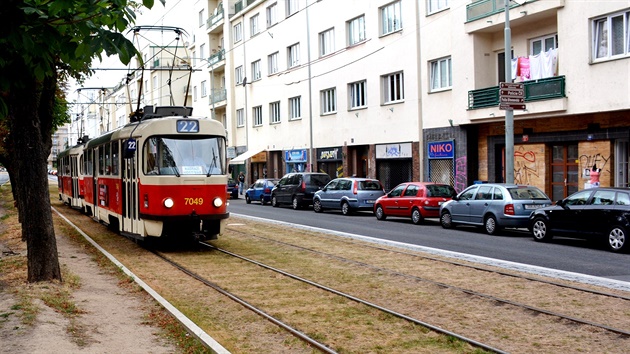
x=172, y=14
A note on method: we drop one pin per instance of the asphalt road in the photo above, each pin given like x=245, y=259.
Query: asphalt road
x=563, y=254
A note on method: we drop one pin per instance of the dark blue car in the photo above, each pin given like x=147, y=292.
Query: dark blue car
x=260, y=190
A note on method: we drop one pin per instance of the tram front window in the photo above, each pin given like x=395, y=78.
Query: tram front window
x=178, y=156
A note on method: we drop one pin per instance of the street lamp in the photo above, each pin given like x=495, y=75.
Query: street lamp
x=509, y=113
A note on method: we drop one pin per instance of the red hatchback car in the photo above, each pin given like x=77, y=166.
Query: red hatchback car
x=415, y=200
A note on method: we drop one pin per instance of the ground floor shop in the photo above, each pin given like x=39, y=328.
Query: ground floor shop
x=559, y=155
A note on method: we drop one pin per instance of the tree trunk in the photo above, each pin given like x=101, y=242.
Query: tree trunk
x=30, y=120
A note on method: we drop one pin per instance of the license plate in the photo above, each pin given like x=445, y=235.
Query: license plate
x=369, y=201
x=532, y=206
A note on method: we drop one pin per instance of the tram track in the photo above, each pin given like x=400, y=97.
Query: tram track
x=464, y=290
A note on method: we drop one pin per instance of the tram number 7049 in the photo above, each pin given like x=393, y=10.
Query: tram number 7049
x=193, y=201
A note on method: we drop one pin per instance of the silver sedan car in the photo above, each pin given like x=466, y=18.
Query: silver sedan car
x=493, y=206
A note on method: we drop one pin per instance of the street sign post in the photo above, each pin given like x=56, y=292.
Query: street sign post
x=511, y=96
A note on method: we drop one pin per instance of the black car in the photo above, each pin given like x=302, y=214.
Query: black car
x=232, y=189
x=298, y=188
x=595, y=213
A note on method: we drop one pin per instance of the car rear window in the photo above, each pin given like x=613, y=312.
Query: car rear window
x=318, y=180
x=440, y=191
x=370, y=185
x=527, y=193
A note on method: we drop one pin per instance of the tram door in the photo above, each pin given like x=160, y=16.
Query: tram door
x=130, y=194
x=74, y=176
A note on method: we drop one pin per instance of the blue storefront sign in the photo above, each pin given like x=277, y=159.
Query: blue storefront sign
x=441, y=149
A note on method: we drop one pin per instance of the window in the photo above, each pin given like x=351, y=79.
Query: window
x=274, y=112
x=257, y=116
x=195, y=93
x=391, y=18
x=201, y=19
x=253, y=25
x=393, y=87
x=292, y=7
x=293, y=55
x=238, y=32
x=543, y=44
x=441, y=74
x=238, y=75
x=328, y=101
x=326, y=42
x=356, y=30
x=272, y=15
x=357, y=94
x=272, y=62
x=240, y=118
x=295, y=111
x=256, y=70
x=436, y=5
x=194, y=58
x=611, y=36
x=202, y=51
x=204, y=89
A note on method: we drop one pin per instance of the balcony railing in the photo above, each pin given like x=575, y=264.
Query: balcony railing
x=535, y=90
x=484, y=8
x=215, y=17
x=216, y=57
x=239, y=5
x=218, y=95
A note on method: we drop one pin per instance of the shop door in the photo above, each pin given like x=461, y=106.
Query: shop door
x=564, y=171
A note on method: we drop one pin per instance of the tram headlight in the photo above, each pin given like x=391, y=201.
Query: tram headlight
x=218, y=202
x=168, y=203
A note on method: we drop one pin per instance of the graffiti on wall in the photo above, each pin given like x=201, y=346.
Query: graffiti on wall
x=461, y=181
x=525, y=167
x=587, y=161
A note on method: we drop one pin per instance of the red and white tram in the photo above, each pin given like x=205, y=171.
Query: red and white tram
x=162, y=176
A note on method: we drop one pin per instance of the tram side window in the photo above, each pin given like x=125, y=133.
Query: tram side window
x=82, y=164
x=101, y=160
x=66, y=165
x=115, y=157
x=88, y=162
x=108, y=159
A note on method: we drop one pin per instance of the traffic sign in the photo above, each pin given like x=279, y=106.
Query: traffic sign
x=509, y=99
x=511, y=95
x=513, y=92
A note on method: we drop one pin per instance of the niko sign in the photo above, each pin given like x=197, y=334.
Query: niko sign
x=441, y=149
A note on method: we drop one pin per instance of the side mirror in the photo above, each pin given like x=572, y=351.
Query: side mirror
x=455, y=197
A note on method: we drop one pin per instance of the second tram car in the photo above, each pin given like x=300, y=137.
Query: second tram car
x=162, y=176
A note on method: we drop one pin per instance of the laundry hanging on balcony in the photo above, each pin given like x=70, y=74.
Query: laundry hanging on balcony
x=539, y=66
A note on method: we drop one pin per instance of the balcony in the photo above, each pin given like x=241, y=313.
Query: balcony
x=216, y=57
x=218, y=95
x=215, y=18
x=535, y=90
x=240, y=5
x=484, y=8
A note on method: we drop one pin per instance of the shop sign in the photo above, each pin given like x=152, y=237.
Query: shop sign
x=393, y=151
x=329, y=154
x=441, y=149
x=295, y=156
x=259, y=157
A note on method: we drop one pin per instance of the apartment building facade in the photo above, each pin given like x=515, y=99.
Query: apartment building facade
x=409, y=89
x=573, y=59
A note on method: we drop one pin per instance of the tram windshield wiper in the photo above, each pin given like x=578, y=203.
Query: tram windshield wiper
x=213, y=164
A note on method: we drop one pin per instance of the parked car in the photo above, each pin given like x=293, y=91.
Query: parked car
x=232, y=189
x=596, y=213
x=348, y=195
x=415, y=200
x=260, y=190
x=493, y=206
x=298, y=188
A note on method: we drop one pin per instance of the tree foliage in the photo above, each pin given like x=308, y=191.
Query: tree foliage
x=44, y=44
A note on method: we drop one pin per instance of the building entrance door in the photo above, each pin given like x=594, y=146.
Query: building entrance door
x=564, y=170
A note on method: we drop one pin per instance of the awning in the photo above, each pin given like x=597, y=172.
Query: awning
x=240, y=159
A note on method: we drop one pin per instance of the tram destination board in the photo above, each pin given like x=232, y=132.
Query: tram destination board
x=511, y=96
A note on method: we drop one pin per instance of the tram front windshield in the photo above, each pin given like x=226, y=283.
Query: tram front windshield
x=178, y=155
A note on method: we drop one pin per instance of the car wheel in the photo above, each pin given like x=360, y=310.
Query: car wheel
x=380, y=214
x=491, y=225
x=345, y=208
x=446, y=220
x=295, y=203
x=617, y=239
x=416, y=217
x=317, y=206
x=247, y=199
x=262, y=200
x=540, y=230
x=274, y=201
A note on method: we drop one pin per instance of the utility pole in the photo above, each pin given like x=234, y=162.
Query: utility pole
x=509, y=113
